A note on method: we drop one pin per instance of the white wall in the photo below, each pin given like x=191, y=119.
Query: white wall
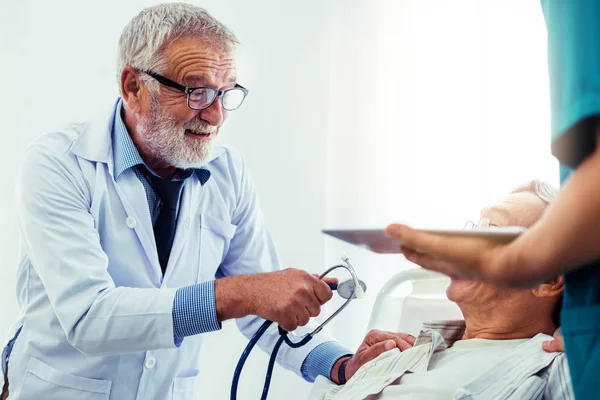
x=58, y=66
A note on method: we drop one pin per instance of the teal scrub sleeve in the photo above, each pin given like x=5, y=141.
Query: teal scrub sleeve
x=574, y=69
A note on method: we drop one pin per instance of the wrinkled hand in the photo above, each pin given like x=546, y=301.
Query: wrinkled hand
x=554, y=346
x=469, y=258
x=289, y=297
x=375, y=343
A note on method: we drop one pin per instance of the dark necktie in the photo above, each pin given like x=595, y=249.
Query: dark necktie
x=169, y=193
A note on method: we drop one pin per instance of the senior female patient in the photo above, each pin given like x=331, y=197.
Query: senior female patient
x=495, y=352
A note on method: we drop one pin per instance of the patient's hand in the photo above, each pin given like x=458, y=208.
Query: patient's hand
x=375, y=343
x=554, y=346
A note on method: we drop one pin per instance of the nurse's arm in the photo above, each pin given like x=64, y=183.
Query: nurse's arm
x=564, y=238
x=568, y=234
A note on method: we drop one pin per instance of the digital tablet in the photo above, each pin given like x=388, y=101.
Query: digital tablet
x=376, y=240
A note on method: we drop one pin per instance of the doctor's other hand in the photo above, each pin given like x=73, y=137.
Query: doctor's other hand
x=469, y=258
x=375, y=343
x=289, y=297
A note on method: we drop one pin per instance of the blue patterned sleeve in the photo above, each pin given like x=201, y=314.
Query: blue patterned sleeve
x=194, y=311
x=321, y=359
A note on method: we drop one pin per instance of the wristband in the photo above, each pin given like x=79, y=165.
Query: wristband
x=342, y=371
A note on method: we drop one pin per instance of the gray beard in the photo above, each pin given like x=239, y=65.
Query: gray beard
x=169, y=143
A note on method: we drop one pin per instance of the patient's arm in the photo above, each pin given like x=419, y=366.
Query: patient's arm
x=375, y=343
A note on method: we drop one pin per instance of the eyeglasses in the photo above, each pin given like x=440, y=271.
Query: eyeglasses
x=483, y=223
x=200, y=98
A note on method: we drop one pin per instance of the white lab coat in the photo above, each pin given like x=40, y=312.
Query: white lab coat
x=96, y=312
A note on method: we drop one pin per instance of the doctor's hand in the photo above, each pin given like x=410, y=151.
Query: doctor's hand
x=469, y=258
x=375, y=343
x=289, y=297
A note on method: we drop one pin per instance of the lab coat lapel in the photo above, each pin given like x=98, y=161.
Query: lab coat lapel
x=95, y=144
x=132, y=194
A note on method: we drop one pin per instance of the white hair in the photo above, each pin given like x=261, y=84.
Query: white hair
x=144, y=38
x=542, y=189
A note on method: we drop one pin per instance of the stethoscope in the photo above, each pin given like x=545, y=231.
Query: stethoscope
x=349, y=290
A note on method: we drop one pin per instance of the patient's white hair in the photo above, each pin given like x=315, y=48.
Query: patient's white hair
x=542, y=189
x=145, y=37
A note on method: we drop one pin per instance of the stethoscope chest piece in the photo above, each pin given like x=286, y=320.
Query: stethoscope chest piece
x=346, y=288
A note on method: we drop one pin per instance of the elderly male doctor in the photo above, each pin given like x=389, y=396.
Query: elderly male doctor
x=127, y=220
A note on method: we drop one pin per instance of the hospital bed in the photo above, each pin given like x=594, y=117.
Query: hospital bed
x=410, y=298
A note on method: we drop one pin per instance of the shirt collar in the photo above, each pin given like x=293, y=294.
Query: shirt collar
x=451, y=331
x=127, y=156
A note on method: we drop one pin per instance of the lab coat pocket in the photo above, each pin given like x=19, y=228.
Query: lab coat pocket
x=185, y=388
x=222, y=228
x=216, y=236
x=45, y=382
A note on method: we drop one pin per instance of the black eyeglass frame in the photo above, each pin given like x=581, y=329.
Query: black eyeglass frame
x=189, y=90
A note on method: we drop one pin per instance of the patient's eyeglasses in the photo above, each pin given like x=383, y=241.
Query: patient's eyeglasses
x=483, y=223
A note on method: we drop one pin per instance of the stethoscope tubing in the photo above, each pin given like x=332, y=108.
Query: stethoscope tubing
x=283, y=337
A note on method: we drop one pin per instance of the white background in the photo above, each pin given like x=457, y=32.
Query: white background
x=359, y=114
